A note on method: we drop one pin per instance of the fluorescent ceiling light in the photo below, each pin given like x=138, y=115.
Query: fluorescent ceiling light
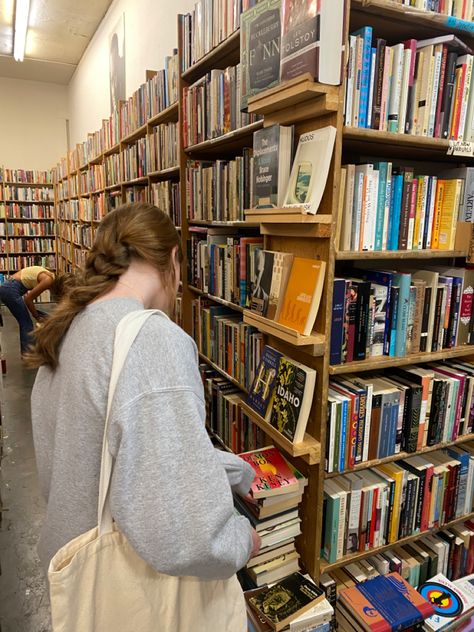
x=22, y=11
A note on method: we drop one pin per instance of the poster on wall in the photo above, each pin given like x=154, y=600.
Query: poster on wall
x=117, y=64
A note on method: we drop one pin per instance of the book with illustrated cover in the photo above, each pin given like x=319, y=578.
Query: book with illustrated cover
x=303, y=295
x=310, y=169
x=260, y=32
x=292, y=399
x=272, y=270
x=273, y=475
x=261, y=392
x=287, y=600
x=272, y=151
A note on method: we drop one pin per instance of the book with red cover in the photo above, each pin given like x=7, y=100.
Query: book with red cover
x=273, y=475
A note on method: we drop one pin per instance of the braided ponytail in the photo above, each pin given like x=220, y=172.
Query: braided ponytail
x=133, y=231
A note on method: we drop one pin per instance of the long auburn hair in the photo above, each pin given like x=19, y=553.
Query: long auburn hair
x=132, y=231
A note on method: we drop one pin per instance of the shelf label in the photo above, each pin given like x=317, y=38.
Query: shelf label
x=461, y=148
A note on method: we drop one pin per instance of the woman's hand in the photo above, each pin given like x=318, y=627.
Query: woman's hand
x=256, y=543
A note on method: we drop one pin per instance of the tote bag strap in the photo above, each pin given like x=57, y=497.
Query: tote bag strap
x=125, y=334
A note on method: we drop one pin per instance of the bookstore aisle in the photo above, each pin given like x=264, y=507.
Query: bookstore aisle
x=24, y=605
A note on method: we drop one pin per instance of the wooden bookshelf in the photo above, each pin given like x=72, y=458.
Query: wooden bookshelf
x=227, y=53
x=352, y=255
x=229, y=143
x=216, y=299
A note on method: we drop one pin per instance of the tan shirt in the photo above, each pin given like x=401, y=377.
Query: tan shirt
x=29, y=276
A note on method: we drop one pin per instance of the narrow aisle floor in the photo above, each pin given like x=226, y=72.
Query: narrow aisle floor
x=24, y=603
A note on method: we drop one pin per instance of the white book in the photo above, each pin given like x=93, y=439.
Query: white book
x=362, y=183
x=431, y=210
x=380, y=563
x=371, y=197
x=346, y=229
x=349, y=96
x=466, y=59
x=331, y=47
x=359, y=45
x=438, y=56
x=395, y=88
x=332, y=407
x=469, y=129
x=373, y=58
x=310, y=169
x=388, y=194
x=423, y=182
x=354, y=481
x=402, y=110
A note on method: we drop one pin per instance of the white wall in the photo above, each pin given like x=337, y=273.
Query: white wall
x=150, y=35
x=32, y=123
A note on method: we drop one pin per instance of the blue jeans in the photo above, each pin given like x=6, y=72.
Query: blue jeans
x=11, y=294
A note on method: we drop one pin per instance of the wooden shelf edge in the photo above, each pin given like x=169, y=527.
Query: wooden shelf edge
x=219, y=141
x=221, y=50
x=217, y=299
x=402, y=455
x=347, y=559
x=165, y=115
x=399, y=254
x=170, y=171
x=383, y=362
x=437, y=145
x=230, y=223
x=316, y=341
x=224, y=374
x=309, y=449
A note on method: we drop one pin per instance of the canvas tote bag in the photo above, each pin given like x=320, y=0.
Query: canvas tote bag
x=99, y=584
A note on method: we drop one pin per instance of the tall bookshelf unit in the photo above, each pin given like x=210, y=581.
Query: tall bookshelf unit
x=27, y=225
x=308, y=106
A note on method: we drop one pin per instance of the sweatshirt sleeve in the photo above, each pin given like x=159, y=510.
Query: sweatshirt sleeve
x=170, y=492
x=239, y=473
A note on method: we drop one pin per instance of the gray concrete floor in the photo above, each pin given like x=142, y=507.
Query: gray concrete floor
x=24, y=603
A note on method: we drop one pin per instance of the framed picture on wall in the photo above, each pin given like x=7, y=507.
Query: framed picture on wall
x=117, y=64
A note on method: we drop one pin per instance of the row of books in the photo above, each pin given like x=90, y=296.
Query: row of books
x=220, y=190
x=401, y=410
x=19, y=262
x=28, y=194
x=396, y=313
x=391, y=208
x=209, y=24
x=222, y=263
x=28, y=228
x=225, y=417
x=167, y=197
x=26, y=211
x=81, y=235
x=79, y=257
x=152, y=97
x=222, y=337
x=414, y=87
x=211, y=106
x=136, y=194
x=163, y=147
x=26, y=176
x=372, y=508
x=90, y=180
x=455, y=8
x=133, y=161
x=37, y=245
x=113, y=171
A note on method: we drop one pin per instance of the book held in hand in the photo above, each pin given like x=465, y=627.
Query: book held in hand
x=287, y=600
x=310, y=169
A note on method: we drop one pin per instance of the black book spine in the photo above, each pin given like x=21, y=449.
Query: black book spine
x=448, y=93
x=411, y=100
x=362, y=321
x=425, y=319
x=405, y=211
x=434, y=412
x=378, y=83
x=416, y=395
x=406, y=422
x=437, y=319
x=442, y=412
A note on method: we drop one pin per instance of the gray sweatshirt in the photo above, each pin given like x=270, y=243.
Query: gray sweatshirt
x=171, y=490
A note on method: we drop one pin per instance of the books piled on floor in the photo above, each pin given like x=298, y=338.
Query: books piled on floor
x=381, y=505
x=415, y=87
x=404, y=409
x=390, y=208
x=282, y=393
x=395, y=313
x=276, y=493
x=382, y=604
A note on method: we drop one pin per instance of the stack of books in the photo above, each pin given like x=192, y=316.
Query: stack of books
x=415, y=87
x=273, y=512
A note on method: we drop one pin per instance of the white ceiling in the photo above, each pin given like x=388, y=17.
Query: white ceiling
x=58, y=34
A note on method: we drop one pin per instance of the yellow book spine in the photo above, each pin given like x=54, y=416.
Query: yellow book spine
x=437, y=217
x=449, y=214
x=419, y=208
x=397, y=499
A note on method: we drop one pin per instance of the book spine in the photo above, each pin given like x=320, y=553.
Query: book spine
x=366, y=34
x=448, y=92
x=378, y=84
x=405, y=210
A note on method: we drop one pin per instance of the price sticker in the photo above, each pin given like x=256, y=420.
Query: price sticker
x=461, y=148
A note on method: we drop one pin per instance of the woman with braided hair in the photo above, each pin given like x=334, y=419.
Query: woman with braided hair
x=171, y=490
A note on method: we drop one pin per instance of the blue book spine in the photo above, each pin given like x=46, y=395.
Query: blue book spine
x=393, y=322
x=385, y=428
x=403, y=281
x=337, y=324
x=342, y=450
x=395, y=211
x=366, y=34
x=427, y=213
x=381, y=167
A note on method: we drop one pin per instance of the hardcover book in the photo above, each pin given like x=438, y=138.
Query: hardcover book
x=272, y=271
x=273, y=475
x=272, y=150
x=261, y=392
x=286, y=600
x=292, y=399
x=260, y=32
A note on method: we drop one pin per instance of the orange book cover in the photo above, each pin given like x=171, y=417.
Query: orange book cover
x=273, y=475
x=356, y=604
x=303, y=295
x=449, y=214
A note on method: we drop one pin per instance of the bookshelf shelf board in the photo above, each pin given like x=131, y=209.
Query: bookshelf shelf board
x=403, y=455
x=30, y=219
x=97, y=192
x=28, y=202
x=43, y=252
x=227, y=53
x=140, y=132
x=309, y=449
x=391, y=144
x=295, y=100
x=290, y=222
x=428, y=23
x=384, y=362
x=115, y=149
x=230, y=224
x=39, y=185
x=235, y=140
x=223, y=373
x=168, y=115
x=400, y=254
x=95, y=161
x=140, y=180
x=222, y=301
x=316, y=342
x=112, y=187
x=30, y=236
x=170, y=172
x=347, y=559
